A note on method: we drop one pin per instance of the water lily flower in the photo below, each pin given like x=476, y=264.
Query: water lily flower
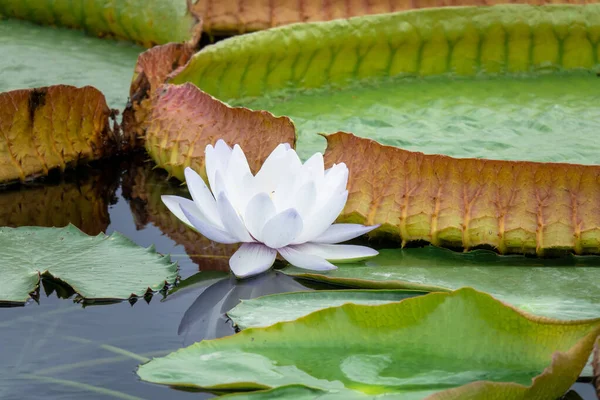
x=286, y=208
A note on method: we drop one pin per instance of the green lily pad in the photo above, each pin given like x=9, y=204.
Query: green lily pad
x=458, y=345
x=73, y=59
x=148, y=22
x=97, y=267
x=268, y=310
x=564, y=288
x=502, y=82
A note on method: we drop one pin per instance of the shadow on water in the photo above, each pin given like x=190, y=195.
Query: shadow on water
x=57, y=349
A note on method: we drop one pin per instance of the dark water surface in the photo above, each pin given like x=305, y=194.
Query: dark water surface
x=58, y=349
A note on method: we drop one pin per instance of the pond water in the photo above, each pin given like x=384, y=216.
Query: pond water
x=58, y=349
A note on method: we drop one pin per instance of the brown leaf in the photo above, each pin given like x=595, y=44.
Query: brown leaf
x=81, y=199
x=151, y=70
x=142, y=187
x=510, y=206
x=52, y=127
x=185, y=120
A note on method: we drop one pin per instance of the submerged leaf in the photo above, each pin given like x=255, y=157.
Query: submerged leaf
x=268, y=310
x=148, y=22
x=184, y=120
x=510, y=206
x=456, y=345
x=52, y=127
x=565, y=288
x=96, y=267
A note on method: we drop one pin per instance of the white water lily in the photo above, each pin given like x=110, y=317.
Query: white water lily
x=287, y=208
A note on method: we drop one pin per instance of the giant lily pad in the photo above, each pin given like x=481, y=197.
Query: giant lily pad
x=96, y=267
x=267, y=310
x=513, y=207
x=146, y=22
x=512, y=79
x=184, y=120
x=233, y=17
x=52, y=127
x=478, y=347
x=77, y=60
x=565, y=288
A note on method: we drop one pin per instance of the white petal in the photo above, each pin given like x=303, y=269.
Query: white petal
x=210, y=231
x=173, y=202
x=305, y=260
x=259, y=210
x=323, y=218
x=334, y=183
x=251, y=259
x=315, y=165
x=231, y=219
x=282, y=229
x=283, y=195
x=337, y=233
x=202, y=196
x=223, y=150
x=237, y=170
x=279, y=166
x=219, y=185
x=305, y=199
x=216, y=158
x=336, y=252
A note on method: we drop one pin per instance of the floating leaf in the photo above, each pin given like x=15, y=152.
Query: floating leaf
x=142, y=21
x=503, y=87
x=565, y=288
x=151, y=70
x=52, y=127
x=184, y=120
x=477, y=347
x=268, y=310
x=513, y=207
x=81, y=199
x=77, y=60
x=235, y=17
x=142, y=187
x=96, y=267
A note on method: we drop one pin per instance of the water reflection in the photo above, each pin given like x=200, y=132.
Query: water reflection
x=142, y=187
x=206, y=317
x=80, y=197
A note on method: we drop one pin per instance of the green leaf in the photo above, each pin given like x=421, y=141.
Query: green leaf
x=267, y=310
x=565, y=288
x=508, y=81
x=77, y=60
x=96, y=267
x=148, y=22
x=440, y=342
